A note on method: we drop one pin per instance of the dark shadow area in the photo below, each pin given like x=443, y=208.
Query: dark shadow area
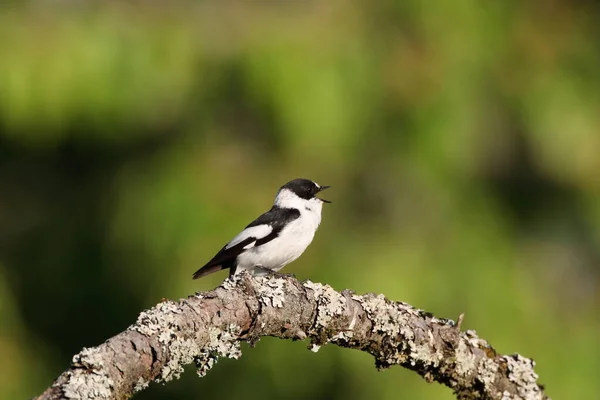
x=55, y=211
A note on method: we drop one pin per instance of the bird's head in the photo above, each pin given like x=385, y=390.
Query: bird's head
x=300, y=193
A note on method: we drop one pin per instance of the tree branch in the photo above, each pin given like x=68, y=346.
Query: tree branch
x=206, y=326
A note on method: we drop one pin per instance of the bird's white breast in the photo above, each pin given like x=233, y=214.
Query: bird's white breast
x=293, y=239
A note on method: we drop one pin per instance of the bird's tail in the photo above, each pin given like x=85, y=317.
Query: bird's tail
x=206, y=270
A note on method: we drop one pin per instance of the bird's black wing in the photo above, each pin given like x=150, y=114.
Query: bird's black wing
x=277, y=218
x=273, y=222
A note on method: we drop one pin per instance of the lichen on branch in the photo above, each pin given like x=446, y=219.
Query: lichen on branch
x=204, y=327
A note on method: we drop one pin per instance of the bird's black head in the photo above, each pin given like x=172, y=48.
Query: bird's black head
x=305, y=189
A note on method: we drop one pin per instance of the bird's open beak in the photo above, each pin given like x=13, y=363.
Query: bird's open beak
x=320, y=190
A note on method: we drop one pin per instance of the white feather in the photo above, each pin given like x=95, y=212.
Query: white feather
x=258, y=232
x=288, y=199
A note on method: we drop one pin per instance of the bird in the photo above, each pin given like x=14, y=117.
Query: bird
x=277, y=237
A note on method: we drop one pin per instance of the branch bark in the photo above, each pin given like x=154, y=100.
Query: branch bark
x=206, y=326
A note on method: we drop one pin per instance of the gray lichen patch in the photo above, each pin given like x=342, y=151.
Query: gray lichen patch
x=470, y=361
x=480, y=343
x=342, y=337
x=82, y=384
x=233, y=281
x=89, y=358
x=390, y=319
x=425, y=353
x=486, y=371
x=506, y=395
x=394, y=321
x=466, y=361
x=221, y=344
x=521, y=372
x=140, y=384
x=330, y=303
x=158, y=319
x=204, y=363
x=182, y=352
x=271, y=291
x=92, y=380
x=162, y=322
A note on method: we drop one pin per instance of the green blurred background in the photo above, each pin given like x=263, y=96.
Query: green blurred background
x=461, y=138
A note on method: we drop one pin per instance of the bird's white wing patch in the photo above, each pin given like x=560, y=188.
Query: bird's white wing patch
x=258, y=232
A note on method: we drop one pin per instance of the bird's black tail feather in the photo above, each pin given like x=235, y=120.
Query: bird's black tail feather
x=206, y=270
